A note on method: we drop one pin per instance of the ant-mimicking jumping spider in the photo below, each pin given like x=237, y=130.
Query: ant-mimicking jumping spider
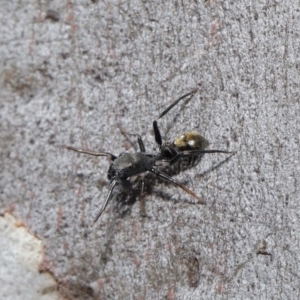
x=190, y=145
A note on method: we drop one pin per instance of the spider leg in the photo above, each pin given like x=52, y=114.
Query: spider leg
x=142, y=186
x=111, y=187
x=157, y=134
x=195, y=152
x=171, y=180
x=89, y=152
x=139, y=138
x=142, y=200
x=181, y=154
x=176, y=102
x=156, y=130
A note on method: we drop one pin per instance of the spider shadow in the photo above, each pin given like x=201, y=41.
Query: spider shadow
x=216, y=166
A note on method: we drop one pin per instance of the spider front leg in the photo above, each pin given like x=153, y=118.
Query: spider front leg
x=139, y=138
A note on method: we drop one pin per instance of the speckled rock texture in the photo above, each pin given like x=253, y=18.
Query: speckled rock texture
x=76, y=72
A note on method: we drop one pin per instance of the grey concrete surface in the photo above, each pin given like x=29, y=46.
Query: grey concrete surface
x=74, y=72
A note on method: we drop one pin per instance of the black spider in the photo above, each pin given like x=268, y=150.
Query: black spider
x=190, y=145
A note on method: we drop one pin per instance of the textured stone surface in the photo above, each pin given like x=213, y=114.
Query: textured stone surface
x=20, y=256
x=72, y=72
